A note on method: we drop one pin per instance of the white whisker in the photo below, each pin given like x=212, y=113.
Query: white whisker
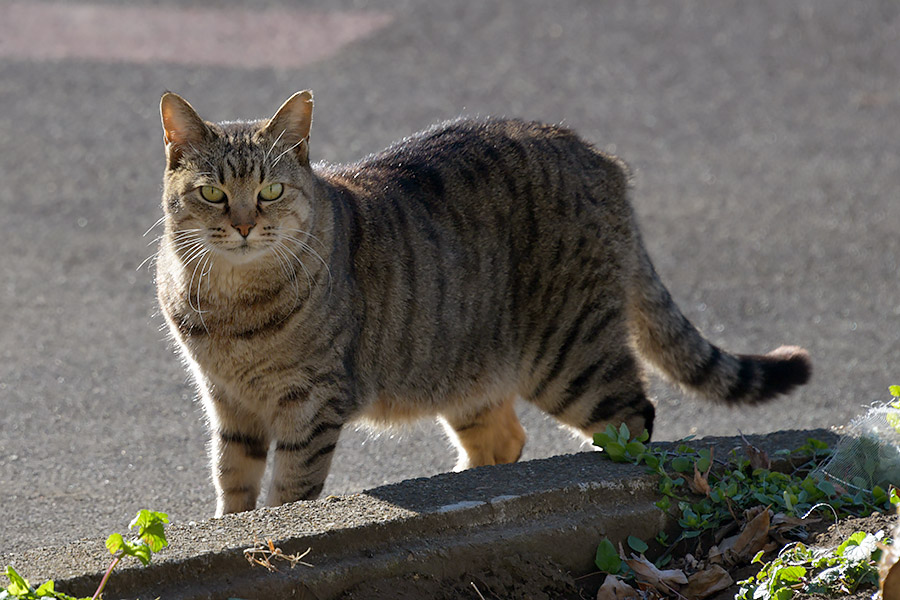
x=204, y=270
x=309, y=280
x=192, y=251
x=306, y=234
x=179, y=239
x=286, y=151
x=272, y=147
x=160, y=220
x=149, y=259
x=191, y=285
x=311, y=251
x=284, y=265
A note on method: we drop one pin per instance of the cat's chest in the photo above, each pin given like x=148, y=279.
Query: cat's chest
x=233, y=342
x=245, y=370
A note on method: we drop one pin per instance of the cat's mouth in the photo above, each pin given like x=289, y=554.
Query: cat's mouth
x=242, y=252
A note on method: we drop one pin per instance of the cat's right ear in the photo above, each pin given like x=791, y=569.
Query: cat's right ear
x=291, y=124
x=182, y=127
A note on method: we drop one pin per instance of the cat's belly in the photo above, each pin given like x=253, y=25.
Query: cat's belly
x=391, y=407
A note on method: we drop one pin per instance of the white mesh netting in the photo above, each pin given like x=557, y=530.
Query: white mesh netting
x=868, y=453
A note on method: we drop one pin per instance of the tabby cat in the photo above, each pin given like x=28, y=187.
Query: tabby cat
x=466, y=266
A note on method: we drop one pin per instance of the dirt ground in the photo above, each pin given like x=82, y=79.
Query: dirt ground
x=533, y=578
x=827, y=536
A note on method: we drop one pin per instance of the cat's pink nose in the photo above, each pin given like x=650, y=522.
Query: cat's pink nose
x=244, y=228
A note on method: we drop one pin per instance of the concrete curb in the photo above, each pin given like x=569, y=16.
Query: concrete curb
x=441, y=527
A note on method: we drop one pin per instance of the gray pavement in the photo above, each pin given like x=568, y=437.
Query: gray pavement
x=763, y=137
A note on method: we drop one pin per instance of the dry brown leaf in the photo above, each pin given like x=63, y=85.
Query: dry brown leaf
x=888, y=569
x=753, y=511
x=758, y=458
x=614, y=588
x=700, y=484
x=785, y=521
x=753, y=538
x=782, y=523
x=706, y=583
x=665, y=581
x=648, y=592
x=890, y=585
x=729, y=527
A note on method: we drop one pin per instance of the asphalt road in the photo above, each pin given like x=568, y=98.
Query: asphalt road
x=763, y=135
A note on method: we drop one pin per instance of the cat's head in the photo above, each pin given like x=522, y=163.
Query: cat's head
x=241, y=189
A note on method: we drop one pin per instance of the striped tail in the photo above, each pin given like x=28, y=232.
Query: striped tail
x=665, y=337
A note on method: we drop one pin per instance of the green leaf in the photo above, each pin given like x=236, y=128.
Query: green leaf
x=635, y=448
x=154, y=536
x=816, y=444
x=624, y=434
x=145, y=518
x=762, y=498
x=782, y=594
x=151, y=528
x=858, y=547
x=138, y=550
x=790, y=574
x=18, y=585
x=650, y=460
x=893, y=419
x=601, y=440
x=114, y=543
x=46, y=590
x=870, y=464
x=637, y=544
x=826, y=488
x=702, y=464
x=607, y=559
x=682, y=464
x=895, y=391
x=645, y=435
x=615, y=451
x=853, y=540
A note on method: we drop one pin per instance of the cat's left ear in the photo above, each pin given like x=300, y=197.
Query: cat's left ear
x=182, y=126
x=291, y=124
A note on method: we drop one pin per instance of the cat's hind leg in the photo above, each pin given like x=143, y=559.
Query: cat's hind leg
x=489, y=436
x=594, y=392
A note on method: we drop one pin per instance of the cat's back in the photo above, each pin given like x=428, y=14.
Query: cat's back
x=503, y=158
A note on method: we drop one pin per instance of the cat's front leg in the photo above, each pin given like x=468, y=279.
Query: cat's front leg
x=307, y=430
x=238, y=450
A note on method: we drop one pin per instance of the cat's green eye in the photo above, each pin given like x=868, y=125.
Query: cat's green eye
x=212, y=194
x=271, y=192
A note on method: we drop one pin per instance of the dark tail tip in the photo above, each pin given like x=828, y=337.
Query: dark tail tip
x=783, y=370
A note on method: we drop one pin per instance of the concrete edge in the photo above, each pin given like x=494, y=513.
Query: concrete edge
x=443, y=526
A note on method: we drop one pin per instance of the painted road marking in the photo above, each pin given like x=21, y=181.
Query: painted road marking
x=229, y=37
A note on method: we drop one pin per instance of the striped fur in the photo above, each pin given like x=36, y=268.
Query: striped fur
x=462, y=268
